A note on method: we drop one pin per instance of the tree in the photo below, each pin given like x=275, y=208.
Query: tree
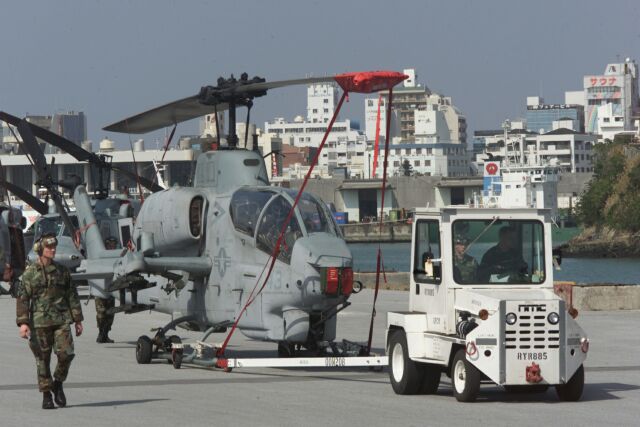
x=407, y=169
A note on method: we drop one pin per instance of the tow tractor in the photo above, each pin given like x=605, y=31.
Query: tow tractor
x=482, y=307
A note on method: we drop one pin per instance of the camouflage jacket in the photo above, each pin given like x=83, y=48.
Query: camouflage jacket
x=47, y=297
x=467, y=268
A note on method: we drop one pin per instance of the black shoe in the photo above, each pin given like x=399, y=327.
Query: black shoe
x=103, y=337
x=58, y=394
x=47, y=402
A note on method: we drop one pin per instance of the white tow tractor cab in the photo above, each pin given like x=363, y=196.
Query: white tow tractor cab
x=482, y=307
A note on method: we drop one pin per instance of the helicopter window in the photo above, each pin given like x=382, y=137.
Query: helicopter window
x=314, y=215
x=270, y=226
x=251, y=162
x=498, y=251
x=48, y=225
x=245, y=208
x=195, y=216
x=74, y=221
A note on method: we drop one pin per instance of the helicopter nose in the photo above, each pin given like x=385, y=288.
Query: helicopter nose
x=324, y=250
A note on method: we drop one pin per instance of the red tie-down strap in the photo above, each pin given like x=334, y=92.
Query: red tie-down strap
x=365, y=82
x=369, y=81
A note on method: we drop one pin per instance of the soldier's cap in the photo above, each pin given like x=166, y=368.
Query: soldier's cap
x=48, y=240
x=111, y=240
x=461, y=240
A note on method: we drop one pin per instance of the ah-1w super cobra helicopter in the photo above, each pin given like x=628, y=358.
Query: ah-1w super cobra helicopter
x=114, y=214
x=198, y=253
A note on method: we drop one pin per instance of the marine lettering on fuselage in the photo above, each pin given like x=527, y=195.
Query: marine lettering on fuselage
x=222, y=261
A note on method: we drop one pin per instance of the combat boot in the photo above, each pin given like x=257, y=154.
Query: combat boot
x=58, y=394
x=103, y=336
x=106, y=338
x=47, y=402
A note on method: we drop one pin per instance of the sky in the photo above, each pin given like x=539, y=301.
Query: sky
x=115, y=58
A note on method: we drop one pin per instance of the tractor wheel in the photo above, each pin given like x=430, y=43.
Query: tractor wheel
x=143, y=350
x=406, y=375
x=572, y=390
x=465, y=378
x=431, y=380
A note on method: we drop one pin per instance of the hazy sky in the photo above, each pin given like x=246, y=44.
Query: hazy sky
x=112, y=59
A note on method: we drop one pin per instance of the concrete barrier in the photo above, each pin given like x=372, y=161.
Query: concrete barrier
x=589, y=297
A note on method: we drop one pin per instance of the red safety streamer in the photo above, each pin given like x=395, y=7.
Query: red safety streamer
x=384, y=188
x=377, y=141
x=276, y=250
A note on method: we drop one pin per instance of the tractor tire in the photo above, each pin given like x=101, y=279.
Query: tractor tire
x=431, y=379
x=144, y=350
x=406, y=375
x=465, y=378
x=572, y=390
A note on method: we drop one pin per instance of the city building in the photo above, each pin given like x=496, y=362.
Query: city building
x=567, y=148
x=412, y=97
x=612, y=103
x=345, y=146
x=179, y=164
x=70, y=125
x=540, y=116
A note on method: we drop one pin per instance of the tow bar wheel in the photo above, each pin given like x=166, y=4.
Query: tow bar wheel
x=465, y=378
x=144, y=350
x=405, y=374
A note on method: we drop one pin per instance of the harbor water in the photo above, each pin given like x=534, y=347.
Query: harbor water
x=396, y=257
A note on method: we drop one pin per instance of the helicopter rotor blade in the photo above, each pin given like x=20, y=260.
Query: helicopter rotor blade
x=192, y=107
x=73, y=149
x=165, y=115
x=26, y=197
x=56, y=140
x=147, y=183
x=33, y=150
x=44, y=175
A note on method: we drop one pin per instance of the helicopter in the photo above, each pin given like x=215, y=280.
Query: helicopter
x=114, y=214
x=231, y=250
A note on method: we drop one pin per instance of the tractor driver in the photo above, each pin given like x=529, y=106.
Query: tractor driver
x=465, y=267
x=503, y=259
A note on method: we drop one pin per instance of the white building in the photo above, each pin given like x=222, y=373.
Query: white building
x=567, y=148
x=612, y=103
x=345, y=146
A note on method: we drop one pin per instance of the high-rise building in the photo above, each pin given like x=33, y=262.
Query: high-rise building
x=618, y=86
x=412, y=97
x=70, y=125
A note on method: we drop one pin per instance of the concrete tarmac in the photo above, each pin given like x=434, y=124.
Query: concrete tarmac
x=106, y=386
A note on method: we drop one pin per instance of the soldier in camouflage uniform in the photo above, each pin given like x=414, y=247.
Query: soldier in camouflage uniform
x=465, y=266
x=103, y=305
x=47, y=304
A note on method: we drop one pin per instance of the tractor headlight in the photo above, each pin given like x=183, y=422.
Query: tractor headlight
x=511, y=318
x=553, y=318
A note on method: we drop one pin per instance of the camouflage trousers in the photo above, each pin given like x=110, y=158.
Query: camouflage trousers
x=103, y=318
x=58, y=339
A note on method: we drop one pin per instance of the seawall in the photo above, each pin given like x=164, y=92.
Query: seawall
x=589, y=297
x=370, y=232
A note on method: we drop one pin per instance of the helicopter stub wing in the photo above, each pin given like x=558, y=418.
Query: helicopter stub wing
x=165, y=115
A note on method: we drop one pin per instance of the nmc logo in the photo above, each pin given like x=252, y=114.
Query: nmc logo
x=532, y=308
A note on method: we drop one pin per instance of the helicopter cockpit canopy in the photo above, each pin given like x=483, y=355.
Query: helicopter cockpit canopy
x=260, y=213
x=53, y=224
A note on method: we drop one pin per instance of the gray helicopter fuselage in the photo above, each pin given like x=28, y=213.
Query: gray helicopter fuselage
x=207, y=247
